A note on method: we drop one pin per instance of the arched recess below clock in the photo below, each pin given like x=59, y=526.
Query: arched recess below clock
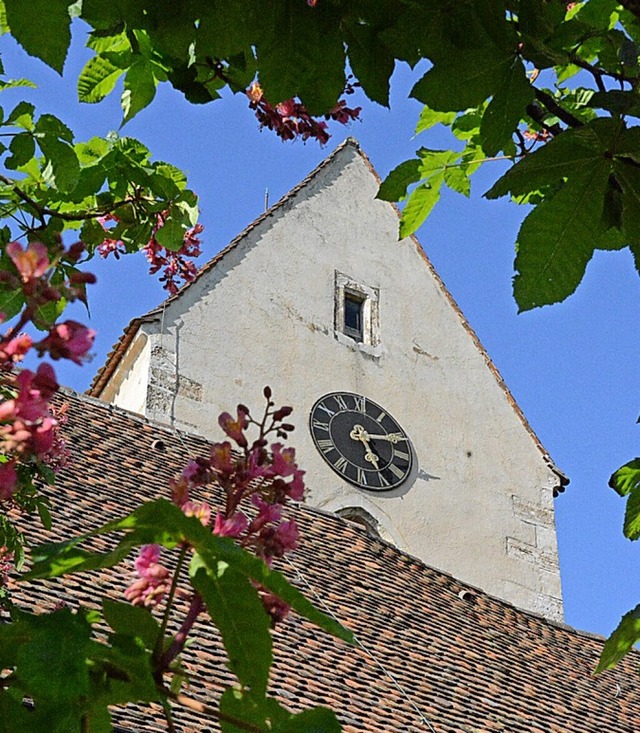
x=363, y=443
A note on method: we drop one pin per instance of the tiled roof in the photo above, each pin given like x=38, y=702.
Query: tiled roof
x=434, y=654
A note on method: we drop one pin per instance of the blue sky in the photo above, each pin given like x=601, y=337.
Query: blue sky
x=572, y=367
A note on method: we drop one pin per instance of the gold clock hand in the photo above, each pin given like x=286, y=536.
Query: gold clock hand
x=359, y=433
x=372, y=458
x=391, y=437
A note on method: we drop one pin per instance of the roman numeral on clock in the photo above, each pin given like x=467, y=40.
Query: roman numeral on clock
x=342, y=405
x=320, y=425
x=324, y=408
x=325, y=445
x=341, y=464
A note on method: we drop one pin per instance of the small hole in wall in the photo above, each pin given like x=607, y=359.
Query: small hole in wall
x=158, y=446
x=466, y=595
x=469, y=454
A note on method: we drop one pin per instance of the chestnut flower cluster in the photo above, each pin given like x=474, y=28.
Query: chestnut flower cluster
x=176, y=265
x=257, y=479
x=291, y=119
x=29, y=430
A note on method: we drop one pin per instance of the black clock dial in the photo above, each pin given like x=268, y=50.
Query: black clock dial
x=360, y=441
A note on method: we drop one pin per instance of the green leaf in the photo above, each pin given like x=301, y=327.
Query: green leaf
x=236, y=609
x=506, y=109
x=42, y=28
x=62, y=168
x=22, y=116
x=97, y=79
x=557, y=239
x=51, y=125
x=139, y=88
x=560, y=158
x=430, y=117
x=628, y=176
x=14, y=83
x=395, y=185
x=22, y=148
x=370, y=61
x=621, y=641
x=11, y=302
x=626, y=482
x=318, y=720
x=131, y=620
x=92, y=234
x=462, y=80
x=301, y=53
x=171, y=233
x=52, y=664
x=419, y=205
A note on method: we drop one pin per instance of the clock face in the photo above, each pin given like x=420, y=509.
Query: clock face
x=360, y=441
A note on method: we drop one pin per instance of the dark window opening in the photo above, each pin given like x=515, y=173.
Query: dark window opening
x=353, y=316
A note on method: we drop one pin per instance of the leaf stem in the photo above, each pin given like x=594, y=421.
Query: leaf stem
x=167, y=610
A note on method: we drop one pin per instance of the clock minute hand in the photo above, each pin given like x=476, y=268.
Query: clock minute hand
x=391, y=437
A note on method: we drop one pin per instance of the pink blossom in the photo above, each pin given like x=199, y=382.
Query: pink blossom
x=232, y=527
x=15, y=349
x=295, y=489
x=31, y=262
x=267, y=513
x=283, y=462
x=222, y=457
x=8, y=480
x=197, y=473
x=180, y=489
x=153, y=583
x=45, y=381
x=234, y=428
x=148, y=556
x=68, y=340
x=199, y=509
x=288, y=535
x=275, y=607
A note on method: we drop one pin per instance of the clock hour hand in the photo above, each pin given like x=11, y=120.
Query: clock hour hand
x=359, y=433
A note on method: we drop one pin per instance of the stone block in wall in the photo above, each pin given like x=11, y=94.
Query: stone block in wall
x=166, y=380
x=530, y=553
x=546, y=539
x=158, y=401
x=532, y=513
x=190, y=389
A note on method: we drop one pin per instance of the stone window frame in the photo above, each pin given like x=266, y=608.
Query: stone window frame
x=360, y=517
x=346, y=287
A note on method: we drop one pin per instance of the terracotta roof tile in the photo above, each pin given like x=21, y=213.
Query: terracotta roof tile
x=427, y=659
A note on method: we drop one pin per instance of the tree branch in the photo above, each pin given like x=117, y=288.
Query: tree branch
x=43, y=211
x=550, y=103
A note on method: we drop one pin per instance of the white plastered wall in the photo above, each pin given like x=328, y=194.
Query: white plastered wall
x=479, y=504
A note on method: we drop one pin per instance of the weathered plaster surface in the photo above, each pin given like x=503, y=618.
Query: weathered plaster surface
x=480, y=506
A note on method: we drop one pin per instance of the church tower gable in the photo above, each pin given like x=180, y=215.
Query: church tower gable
x=402, y=422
